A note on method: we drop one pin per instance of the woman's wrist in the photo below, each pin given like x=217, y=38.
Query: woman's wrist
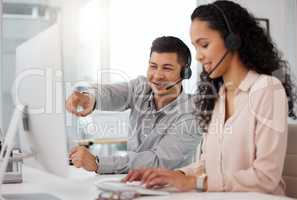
x=205, y=184
x=193, y=182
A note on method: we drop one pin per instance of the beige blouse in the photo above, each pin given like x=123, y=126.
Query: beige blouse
x=246, y=153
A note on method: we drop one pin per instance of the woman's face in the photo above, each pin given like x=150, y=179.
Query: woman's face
x=210, y=48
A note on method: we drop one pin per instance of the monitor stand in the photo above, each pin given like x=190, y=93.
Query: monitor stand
x=30, y=196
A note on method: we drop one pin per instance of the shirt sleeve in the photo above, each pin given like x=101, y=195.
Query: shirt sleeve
x=118, y=97
x=198, y=167
x=265, y=173
x=171, y=151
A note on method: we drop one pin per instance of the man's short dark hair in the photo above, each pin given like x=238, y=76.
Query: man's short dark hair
x=170, y=44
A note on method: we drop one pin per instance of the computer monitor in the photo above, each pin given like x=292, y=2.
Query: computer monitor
x=39, y=85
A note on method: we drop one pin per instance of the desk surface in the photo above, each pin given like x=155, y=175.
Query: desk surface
x=80, y=186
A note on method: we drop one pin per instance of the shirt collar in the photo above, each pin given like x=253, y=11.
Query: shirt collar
x=245, y=84
x=248, y=81
x=166, y=109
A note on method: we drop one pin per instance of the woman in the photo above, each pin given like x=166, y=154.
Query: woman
x=244, y=98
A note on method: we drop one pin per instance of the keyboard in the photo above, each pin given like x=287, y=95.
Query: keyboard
x=115, y=185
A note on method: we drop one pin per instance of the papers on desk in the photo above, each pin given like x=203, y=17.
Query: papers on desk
x=115, y=185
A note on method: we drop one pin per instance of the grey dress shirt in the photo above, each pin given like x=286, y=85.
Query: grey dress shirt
x=165, y=138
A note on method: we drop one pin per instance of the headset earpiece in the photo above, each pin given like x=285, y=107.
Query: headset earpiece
x=232, y=41
x=186, y=71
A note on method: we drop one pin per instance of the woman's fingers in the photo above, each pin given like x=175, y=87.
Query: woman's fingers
x=160, y=177
x=157, y=182
x=155, y=173
x=150, y=175
x=127, y=178
x=146, y=174
x=133, y=175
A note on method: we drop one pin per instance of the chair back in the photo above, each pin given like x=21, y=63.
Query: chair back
x=290, y=167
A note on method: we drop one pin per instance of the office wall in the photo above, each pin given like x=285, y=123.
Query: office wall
x=73, y=51
x=291, y=32
x=282, y=26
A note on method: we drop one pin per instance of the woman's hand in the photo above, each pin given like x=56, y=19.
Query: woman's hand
x=134, y=175
x=158, y=177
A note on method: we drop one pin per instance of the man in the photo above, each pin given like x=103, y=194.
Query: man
x=162, y=124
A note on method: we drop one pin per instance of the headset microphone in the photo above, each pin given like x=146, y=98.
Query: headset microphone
x=171, y=86
x=206, y=75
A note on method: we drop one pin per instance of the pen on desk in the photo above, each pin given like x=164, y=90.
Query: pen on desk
x=85, y=143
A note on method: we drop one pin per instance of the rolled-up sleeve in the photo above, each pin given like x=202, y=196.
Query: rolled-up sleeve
x=198, y=167
x=119, y=96
x=174, y=148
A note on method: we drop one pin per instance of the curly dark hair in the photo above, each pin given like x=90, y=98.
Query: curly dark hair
x=257, y=52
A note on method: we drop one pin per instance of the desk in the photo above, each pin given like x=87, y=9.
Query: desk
x=80, y=186
x=88, y=142
x=103, y=141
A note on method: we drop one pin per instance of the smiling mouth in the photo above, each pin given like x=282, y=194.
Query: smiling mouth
x=159, y=85
x=207, y=67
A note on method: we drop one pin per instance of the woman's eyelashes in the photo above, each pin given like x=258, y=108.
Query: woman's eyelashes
x=204, y=45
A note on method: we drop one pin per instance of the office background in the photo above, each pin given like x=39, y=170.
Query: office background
x=108, y=41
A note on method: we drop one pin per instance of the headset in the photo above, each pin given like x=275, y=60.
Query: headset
x=232, y=41
x=186, y=71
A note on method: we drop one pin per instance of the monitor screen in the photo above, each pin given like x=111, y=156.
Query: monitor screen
x=39, y=85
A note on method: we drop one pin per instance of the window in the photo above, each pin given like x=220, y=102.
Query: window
x=126, y=30
x=135, y=24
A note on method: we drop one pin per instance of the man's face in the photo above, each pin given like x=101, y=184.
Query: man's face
x=163, y=71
